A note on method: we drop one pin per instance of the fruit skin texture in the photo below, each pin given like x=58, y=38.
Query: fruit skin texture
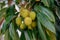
x=18, y=21
x=22, y=26
x=34, y=24
x=32, y=15
x=27, y=21
x=24, y=13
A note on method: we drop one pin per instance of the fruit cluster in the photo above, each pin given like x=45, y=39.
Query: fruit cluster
x=28, y=19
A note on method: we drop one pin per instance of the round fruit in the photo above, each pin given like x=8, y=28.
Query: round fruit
x=29, y=27
x=22, y=26
x=37, y=0
x=33, y=24
x=32, y=15
x=18, y=20
x=21, y=9
x=28, y=21
x=24, y=13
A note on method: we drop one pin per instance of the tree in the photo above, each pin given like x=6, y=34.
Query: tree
x=35, y=19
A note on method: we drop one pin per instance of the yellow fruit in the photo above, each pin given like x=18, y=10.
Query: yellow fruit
x=37, y=0
x=28, y=20
x=32, y=15
x=29, y=27
x=18, y=21
x=21, y=9
x=24, y=13
x=22, y=26
x=33, y=24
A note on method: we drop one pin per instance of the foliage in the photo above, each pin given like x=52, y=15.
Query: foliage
x=43, y=12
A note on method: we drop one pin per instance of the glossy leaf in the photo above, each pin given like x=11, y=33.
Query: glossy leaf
x=51, y=35
x=2, y=13
x=22, y=36
x=26, y=35
x=48, y=3
x=41, y=32
x=6, y=23
x=7, y=36
x=47, y=12
x=58, y=12
x=46, y=23
x=10, y=11
x=45, y=2
x=13, y=33
x=34, y=38
x=3, y=10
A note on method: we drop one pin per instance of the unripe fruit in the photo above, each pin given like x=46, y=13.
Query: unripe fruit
x=32, y=15
x=29, y=27
x=24, y=13
x=37, y=0
x=28, y=20
x=22, y=26
x=33, y=24
x=18, y=21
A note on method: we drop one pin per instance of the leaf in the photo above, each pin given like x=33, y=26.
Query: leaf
x=35, y=34
x=45, y=22
x=10, y=11
x=2, y=12
x=2, y=4
x=22, y=36
x=6, y=23
x=52, y=3
x=51, y=35
x=34, y=38
x=48, y=38
x=58, y=12
x=48, y=13
x=18, y=1
x=48, y=3
x=26, y=35
x=45, y=2
x=7, y=36
x=41, y=32
x=13, y=33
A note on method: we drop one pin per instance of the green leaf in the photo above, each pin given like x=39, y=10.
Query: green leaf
x=6, y=23
x=48, y=3
x=58, y=12
x=3, y=12
x=51, y=35
x=7, y=36
x=45, y=2
x=34, y=38
x=22, y=36
x=48, y=13
x=10, y=11
x=13, y=33
x=41, y=32
x=34, y=34
x=27, y=36
x=48, y=38
x=45, y=22
x=2, y=4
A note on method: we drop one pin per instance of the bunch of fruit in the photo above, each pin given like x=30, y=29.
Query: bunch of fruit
x=26, y=19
